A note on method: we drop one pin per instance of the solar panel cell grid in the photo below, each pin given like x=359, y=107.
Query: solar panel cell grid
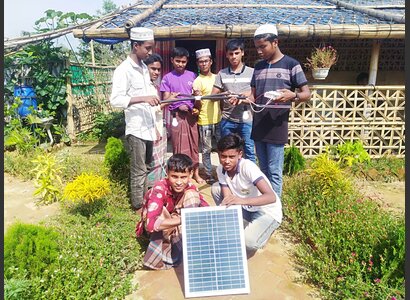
x=214, y=251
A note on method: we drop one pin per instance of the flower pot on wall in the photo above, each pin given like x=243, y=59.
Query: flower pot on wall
x=320, y=73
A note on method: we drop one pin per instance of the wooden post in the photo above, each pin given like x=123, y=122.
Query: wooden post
x=92, y=52
x=70, y=108
x=374, y=62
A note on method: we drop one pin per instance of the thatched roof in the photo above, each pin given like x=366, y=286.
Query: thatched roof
x=178, y=19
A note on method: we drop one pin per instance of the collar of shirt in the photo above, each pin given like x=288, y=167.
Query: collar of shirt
x=237, y=167
x=231, y=72
x=135, y=65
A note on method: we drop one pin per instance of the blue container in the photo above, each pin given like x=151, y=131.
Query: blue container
x=28, y=97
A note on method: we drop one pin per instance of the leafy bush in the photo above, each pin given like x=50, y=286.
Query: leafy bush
x=99, y=255
x=352, y=153
x=48, y=181
x=328, y=175
x=117, y=160
x=29, y=250
x=107, y=125
x=349, y=246
x=86, y=188
x=17, y=289
x=293, y=161
x=22, y=139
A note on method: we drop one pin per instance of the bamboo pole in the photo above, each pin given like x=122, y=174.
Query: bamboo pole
x=239, y=5
x=374, y=62
x=132, y=22
x=371, y=12
x=92, y=53
x=70, y=108
x=341, y=31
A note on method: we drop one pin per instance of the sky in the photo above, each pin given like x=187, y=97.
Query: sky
x=20, y=15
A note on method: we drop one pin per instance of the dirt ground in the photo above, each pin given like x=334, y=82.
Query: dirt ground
x=20, y=204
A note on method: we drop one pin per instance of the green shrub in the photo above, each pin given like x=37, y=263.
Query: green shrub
x=22, y=139
x=107, y=125
x=117, y=160
x=349, y=246
x=352, y=153
x=99, y=255
x=47, y=180
x=293, y=161
x=29, y=250
x=17, y=289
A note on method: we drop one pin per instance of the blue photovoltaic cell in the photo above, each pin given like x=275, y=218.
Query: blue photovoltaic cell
x=214, y=251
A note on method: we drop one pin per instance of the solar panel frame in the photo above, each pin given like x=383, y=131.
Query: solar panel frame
x=214, y=253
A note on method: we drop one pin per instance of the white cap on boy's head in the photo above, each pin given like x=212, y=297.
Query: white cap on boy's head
x=141, y=34
x=202, y=52
x=265, y=29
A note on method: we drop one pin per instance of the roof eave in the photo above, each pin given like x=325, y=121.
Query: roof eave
x=342, y=31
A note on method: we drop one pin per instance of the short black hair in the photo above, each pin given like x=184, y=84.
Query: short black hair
x=139, y=43
x=153, y=58
x=234, y=44
x=180, y=163
x=266, y=36
x=230, y=141
x=179, y=51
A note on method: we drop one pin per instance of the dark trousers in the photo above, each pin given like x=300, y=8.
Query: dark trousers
x=140, y=158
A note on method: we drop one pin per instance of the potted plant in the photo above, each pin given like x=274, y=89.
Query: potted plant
x=320, y=61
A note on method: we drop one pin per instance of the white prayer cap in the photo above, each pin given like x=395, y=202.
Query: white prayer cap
x=203, y=52
x=141, y=34
x=266, y=28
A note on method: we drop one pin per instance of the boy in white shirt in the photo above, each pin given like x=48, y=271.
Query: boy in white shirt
x=241, y=182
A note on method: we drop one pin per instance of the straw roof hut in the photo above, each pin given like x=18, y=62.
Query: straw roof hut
x=369, y=34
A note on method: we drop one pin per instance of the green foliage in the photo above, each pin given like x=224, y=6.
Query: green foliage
x=47, y=180
x=45, y=65
x=17, y=289
x=99, y=255
x=293, y=161
x=328, y=175
x=117, y=160
x=108, y=125
x=21, y=138
x=352, y=153
x=29, y=250
x=349, y=246
x=18, y=165
x=86, y=188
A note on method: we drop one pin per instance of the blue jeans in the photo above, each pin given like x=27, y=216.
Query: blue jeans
x=206, y=132
x=271, y=157
x=244, y=130
x=258, y=225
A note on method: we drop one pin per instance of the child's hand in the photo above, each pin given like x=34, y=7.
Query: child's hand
x=231, y=200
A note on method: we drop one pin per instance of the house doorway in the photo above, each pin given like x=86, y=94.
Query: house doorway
x=192, y=46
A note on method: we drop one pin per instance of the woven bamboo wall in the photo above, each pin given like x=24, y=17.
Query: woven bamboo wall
x=354, y=55
x=336, y=114
x=91, y=89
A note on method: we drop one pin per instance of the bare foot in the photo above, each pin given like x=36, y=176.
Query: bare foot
x=199, y=179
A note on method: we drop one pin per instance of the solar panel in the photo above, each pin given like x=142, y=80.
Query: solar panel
x=214, y=251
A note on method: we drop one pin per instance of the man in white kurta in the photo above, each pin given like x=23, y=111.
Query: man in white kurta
x=131, y=92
